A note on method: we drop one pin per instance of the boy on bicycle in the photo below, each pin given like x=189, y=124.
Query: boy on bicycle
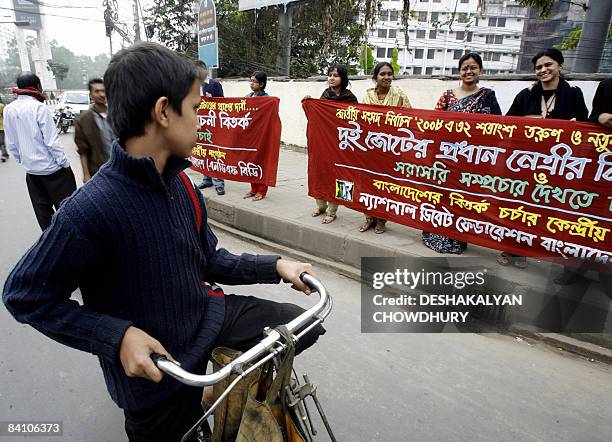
x=136, y=241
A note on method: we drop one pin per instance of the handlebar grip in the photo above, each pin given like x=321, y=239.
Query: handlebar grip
x=156, y=357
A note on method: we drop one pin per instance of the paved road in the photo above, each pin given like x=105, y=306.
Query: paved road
x=376, y=387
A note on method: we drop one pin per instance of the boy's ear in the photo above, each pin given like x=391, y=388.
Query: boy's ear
x=160, y=111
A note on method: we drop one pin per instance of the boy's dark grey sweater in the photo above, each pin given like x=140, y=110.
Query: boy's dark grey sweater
x=128, y=239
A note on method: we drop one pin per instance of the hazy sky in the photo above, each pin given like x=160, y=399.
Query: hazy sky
x=81, y=25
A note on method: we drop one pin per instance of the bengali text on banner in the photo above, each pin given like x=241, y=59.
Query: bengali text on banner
x=533, y=187
x=238, y=139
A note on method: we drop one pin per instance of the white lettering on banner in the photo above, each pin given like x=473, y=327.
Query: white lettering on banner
x=220, y=166
x=250, y=170
x=473, y=154
x=568, y=249
x=435, y=217
x=348, y=137
x=554, y=163
x=497, y=233
x=197, y=162
x=234, y=122
x=397, y=145
x=372, y=202
x=604, y=170
x=208, y=120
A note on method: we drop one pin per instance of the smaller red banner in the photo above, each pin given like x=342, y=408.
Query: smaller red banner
x=238, y=139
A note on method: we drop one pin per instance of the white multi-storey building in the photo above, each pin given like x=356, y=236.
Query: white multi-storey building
x=7, y=33
x=441, y=31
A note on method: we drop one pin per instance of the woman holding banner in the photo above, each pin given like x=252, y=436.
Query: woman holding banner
x=337, y=78
x=469, y=97
x=258, y=82
x=550, y=97
x=383, y=94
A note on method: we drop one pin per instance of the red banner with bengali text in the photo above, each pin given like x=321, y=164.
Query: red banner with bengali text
x=238, y=139
x=533, y=187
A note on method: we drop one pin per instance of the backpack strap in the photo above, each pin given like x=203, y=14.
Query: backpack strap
x=194, y=199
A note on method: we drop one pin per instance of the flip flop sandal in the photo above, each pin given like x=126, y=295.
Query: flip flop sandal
x=504, y=259
x=317, y=212
x=379, y=229
x=248, y=195
x=366, y=226
x=258, y=197
x=520, y=262
x=328, y=219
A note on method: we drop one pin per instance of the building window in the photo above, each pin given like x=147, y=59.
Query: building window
x=390, y=53
x=462, y=17
x=422, y=16
x=492, y=56
x=430, y=54
x=432, y=34
x=428, y=71
x=455, y=71
x=457, y=54
x=435, y=16
x=380, y=52
x=437, y=1
x=465, y=1
x=382, y=33
x=499, y=22
x=421, y=33
x=383, y=15
x=394, y=15
x=418, y=54
x=469, y=36
x=460, y=35
x=417, y=71
x=392, y=33
x=499, y=39
x=424, y=1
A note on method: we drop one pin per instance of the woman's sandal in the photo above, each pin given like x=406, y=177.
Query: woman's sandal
x=329, y=218
x=318, y=211
x=504, y=259
x=248, y=195
x=380, y=228
x=520, y=262
x=366, y=226
x=259, y=197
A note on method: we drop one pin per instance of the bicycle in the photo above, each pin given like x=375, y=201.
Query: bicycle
x=270, y=350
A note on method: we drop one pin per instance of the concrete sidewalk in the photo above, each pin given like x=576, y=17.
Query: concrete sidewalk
x=284, y=217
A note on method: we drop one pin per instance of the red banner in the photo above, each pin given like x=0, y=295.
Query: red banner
x=533, y=187
x=238, y=139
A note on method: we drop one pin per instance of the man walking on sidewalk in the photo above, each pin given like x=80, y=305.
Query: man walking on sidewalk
x=3, y=153
x=31, y=137
x=210, y=88
x=92, y=132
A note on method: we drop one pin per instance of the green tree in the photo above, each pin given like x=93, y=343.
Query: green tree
x=573, y=38
x=394, y=62
x=366, y=59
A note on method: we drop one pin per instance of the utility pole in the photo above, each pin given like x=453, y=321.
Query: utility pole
x=285, y=22
x=593, y=36
x=136, y=22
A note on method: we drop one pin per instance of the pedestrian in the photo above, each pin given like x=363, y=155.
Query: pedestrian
x=141, y=219
x=549, y=97
x=337, y=79
x=210, y=88
x=32, y=139
x=3, y=152
x=601, y=114
x=92, y=132
x=258, y=82
x=471, y=98
x=383, y=94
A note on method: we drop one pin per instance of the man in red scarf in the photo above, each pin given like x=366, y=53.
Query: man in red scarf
x=31, y=137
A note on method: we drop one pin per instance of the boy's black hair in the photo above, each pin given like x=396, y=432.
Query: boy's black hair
x=261, y=78
x=379, y=66
x=474, y=56
x=553, y=53
x=93, y=81
x=342, y=73
x=28, y=80
x=136, y=78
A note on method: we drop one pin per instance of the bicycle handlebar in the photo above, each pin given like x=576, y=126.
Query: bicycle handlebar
x=316, y=314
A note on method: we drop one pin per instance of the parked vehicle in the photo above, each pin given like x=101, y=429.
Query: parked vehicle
x=64, y=118
x=78, y=101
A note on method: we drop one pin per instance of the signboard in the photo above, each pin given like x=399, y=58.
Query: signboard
x=28, y=10
x=532, y=187
x=208, y=36
x=245, y=5
x=238, y=139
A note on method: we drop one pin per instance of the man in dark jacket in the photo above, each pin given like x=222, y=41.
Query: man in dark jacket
x=92, y=132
